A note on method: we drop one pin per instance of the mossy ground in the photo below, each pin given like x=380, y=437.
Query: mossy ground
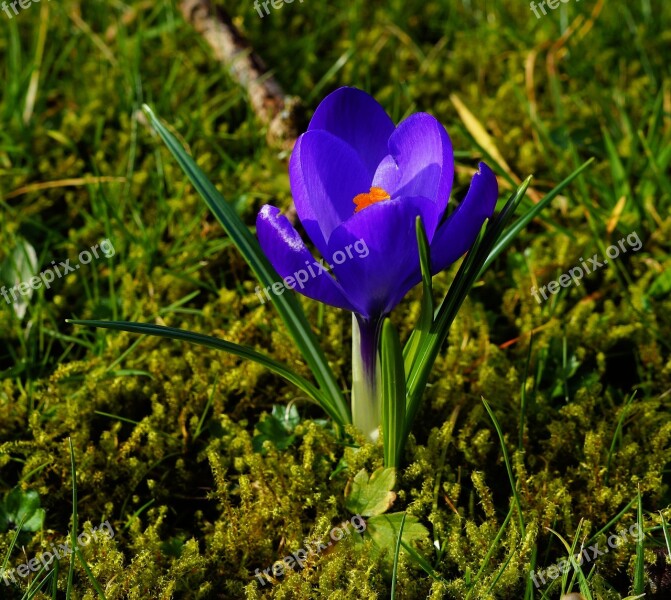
x=162, y=432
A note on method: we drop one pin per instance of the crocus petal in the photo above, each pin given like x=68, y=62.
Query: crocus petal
x=325, y=174
x=420, y=163
x=388, y=175
x=386, y=230
x=457, y=234
x=286, y=251
x=357, y=119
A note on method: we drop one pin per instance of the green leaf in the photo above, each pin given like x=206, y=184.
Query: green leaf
x=493, y=240
x=287, y=305
x=426, y=315
x=429, y=348
x=393, y=395
x=372, y=496
x=208, y=341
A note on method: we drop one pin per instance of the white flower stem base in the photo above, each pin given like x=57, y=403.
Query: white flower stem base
x=366, y=406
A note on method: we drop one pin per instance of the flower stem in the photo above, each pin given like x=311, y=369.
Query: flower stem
x=366, y=387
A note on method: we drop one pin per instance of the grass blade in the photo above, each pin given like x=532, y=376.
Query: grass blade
x=37, y=584
x=75, y=525
x=422, y=562
x=667, y=536
x=523, y=395
x=8, y=554
x=506, y=459
x=490, y=552
x=639, y=567
x=54, y=580
x=90, y=575
x=583, y=582
x=616, y=435
x=396, y=555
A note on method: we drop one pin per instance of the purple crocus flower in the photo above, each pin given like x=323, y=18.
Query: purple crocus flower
x=356, y=176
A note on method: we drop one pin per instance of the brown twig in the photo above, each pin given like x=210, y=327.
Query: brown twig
x=281, y=114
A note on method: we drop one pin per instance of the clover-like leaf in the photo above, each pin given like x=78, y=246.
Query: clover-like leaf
x=23, y=506
x=384, y=529
x=371, y=496
x=288, y=415
x=277, y=428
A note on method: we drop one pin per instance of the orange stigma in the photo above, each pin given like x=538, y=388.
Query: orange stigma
x=365, y=200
